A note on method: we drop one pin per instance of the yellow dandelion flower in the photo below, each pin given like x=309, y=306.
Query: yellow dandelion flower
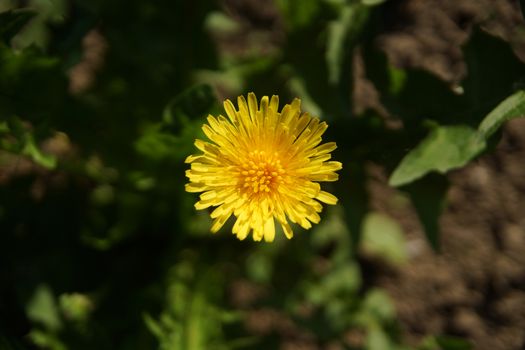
x=261, y=165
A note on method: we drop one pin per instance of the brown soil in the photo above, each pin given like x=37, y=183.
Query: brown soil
x=429, y=33
x=476, y=287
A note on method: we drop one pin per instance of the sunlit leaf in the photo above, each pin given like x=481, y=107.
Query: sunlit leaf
x=46, y=340
x=42, y=308
x=444, y=149
x=451, y=147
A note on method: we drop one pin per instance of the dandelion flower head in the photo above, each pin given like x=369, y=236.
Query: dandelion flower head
x=262, y=166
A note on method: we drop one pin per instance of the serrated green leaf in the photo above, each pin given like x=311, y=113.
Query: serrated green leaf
x=384, y=238
x=12, y=21
x=444, y=149
x=512, y=107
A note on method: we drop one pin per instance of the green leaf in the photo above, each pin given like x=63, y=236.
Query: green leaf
x=153, y=326
x=377, y=339
x=452, y=343
x=76, y=306
x=298, y=13
x=340, y=31
x=444, y=149
x=512, y=107
x=372, y=2
x=340, y=40
x=157, y=145
x=442, y=342
x=12, y=21
x=46, y=340
x=378, y=303
x=383, y=237
x=219, y=22
x=172, y=138
x=428, y=198
x=31, y=150
x=192, y=103
x=42, y=308
x=346, y=278
x=493, y=71
x=32, y=85
x=191, y=318
x=342, y=281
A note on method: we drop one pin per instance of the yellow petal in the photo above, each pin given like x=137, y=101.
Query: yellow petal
x=327, y=198
x=269, y=230
x=219, y=222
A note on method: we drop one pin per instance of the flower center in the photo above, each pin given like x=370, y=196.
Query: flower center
x=262, y=172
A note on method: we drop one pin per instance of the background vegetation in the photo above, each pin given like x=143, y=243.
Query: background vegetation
x=100, y=101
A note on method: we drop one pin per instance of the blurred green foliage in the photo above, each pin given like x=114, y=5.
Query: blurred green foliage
x=100, y=102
